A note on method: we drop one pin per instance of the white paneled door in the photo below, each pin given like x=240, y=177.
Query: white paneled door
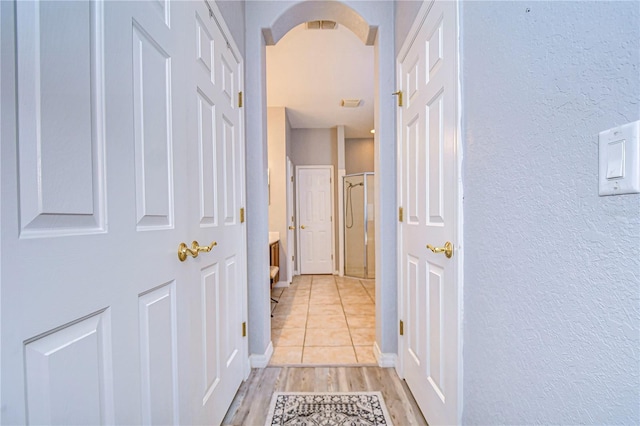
x=428, y=171
x=112, y=154
x=216, y=163
x=315, y=222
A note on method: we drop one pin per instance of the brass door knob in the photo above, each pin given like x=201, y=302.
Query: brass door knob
x=184, y=251
x=447, y=249
x=302, y=227
x=291, y=228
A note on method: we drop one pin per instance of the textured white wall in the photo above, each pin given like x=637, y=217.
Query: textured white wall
x=552, y=271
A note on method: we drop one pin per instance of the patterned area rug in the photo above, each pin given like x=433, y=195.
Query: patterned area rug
x=327, y=409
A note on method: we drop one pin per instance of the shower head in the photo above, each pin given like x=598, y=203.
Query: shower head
x=351, y=185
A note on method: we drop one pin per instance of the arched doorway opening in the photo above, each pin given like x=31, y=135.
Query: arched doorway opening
x=267, y=22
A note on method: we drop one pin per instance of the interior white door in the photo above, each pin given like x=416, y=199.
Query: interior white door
x=315, y=224
x=217, y=190
x=430, y=351
x=101, y=323
x=91, y=285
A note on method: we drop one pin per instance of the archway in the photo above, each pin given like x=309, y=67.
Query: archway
x=372, y=22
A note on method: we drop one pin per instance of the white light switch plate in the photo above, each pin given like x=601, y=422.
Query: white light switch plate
x=619, y=158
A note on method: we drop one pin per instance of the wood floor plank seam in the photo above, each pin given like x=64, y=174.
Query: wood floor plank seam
x=251, y=404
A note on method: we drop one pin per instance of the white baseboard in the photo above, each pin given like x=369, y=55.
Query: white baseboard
x=384, y=360
x=336, y=273
x=261, y=360
x=280, y=284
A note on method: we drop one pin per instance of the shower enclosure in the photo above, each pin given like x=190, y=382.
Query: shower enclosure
x=359, y=230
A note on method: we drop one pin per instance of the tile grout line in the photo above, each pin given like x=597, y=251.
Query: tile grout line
x=353, y=346
x=306, y=322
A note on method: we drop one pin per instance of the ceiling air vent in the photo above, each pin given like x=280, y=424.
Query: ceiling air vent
x=350, y=103
x=321, y=25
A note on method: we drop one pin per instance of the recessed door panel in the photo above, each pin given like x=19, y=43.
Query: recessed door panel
x=164, y=10
x=414, y=320
x=230, y=171
x=210, y=282
x=153, y=135
x=60, y=118
x=158, y=355
x=68, y=374
x=208, y=181
x=434, y=330
x=435, y=49
x=413, y=79
x=435, y=148
x=227, y=79
x=232, y=318
x=205, y=48
x=414, y=185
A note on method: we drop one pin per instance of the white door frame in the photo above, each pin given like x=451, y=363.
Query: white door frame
x=291, y=220
x=459, y=249
x=333, y=227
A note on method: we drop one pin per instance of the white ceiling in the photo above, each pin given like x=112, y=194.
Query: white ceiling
x=311, y=71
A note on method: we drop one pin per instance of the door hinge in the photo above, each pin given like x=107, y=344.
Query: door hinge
x=292, y=258
x=400, y=214
x=399, y=94
x=331, y=257
x=239, y=99
x=291, y=178
x=401, y=328
x=241, y=214
x=244, y=329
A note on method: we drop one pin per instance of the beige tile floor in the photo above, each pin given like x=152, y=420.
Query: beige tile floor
x=322, y=319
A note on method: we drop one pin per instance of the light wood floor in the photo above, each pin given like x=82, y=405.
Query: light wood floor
x=322, y=319
x=251, y=404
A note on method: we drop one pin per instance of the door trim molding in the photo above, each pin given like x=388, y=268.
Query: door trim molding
x=333, y=213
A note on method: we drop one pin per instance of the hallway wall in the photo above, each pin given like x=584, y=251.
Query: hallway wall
x=552, y=270
x=358, y=155
x=278, y=129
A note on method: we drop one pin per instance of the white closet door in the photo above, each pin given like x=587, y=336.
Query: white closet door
x=97, y=193
x=216, y=188
x=429, y=196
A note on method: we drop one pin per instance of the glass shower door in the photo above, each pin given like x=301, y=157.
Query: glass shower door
x=370, y=229
x=359, y=226
x=354, y=226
